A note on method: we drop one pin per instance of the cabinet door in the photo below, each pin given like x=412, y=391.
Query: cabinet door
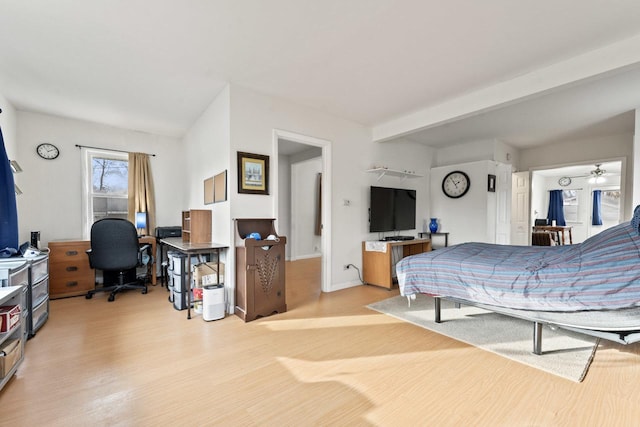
x=268, y=279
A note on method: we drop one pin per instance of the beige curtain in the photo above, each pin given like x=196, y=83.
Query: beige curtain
x=141, y=195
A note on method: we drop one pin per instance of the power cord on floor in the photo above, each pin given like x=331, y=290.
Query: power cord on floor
x=359, y=276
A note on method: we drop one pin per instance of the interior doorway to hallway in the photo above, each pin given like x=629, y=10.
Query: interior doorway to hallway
x=302, y=199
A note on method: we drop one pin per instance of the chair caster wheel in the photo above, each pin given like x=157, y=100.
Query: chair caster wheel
x=144, y=291
x=88, y=296
x=111, y=298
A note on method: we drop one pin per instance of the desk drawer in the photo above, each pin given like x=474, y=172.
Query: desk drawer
x=75, y=251
x=70, y=287
x=73, y=270
x=70, y=279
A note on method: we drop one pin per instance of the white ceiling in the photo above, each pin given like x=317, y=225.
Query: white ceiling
x=156, y=65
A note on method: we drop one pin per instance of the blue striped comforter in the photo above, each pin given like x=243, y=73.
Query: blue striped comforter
x=601, y=273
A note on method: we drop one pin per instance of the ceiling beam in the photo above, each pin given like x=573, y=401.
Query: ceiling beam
x=614, y=58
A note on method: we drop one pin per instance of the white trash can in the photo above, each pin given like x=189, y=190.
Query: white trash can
x=213, y=305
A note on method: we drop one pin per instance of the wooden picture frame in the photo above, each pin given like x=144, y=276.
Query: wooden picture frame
x=220, y=187
x=208, y=191
x=491, y=183
x=253, y=173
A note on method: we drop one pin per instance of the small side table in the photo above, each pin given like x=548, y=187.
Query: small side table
x=428, y=234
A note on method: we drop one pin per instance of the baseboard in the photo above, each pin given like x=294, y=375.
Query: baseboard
x=344, y=285
x=316, y=255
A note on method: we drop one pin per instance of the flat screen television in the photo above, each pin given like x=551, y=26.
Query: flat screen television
x=392, y=209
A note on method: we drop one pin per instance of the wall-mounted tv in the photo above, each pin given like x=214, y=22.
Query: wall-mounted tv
x=392, y=209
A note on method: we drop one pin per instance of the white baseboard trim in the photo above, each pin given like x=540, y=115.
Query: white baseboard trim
x=344, y=285
x=316, y=255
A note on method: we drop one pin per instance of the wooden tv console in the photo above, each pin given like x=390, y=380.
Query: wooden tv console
x=377, y=267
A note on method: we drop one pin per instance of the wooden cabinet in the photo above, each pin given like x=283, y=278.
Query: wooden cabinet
x=378, y=265
x=196, y=226
x=69, y=271
x=260, y=274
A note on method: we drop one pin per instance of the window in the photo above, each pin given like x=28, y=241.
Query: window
x=611, y=205
x=570, y=204
x=106, y=181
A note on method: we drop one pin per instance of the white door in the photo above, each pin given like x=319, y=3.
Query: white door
x=520, y=190
x=503, y=213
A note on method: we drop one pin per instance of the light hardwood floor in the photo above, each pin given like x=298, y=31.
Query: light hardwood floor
x=327, y=361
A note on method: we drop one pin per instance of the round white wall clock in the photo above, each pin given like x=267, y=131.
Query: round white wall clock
x=47, y=151
x=456, y=184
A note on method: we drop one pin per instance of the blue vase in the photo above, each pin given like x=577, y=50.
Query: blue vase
x=433, y=225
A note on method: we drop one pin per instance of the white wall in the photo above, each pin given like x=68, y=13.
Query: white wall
x=254, y=117
x=207, y=153
x=284, y=200
x=635, y=175
x=490, y=149
x=471, y=218
x=592, y=150
x=8, y=123
x=52, y=197
x=303, y=241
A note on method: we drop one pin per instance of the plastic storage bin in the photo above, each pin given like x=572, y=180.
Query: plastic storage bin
x=177, y=280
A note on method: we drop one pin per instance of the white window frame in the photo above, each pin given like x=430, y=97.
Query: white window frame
x=87, y=207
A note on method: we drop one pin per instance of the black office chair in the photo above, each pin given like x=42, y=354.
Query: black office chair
x=115, y=249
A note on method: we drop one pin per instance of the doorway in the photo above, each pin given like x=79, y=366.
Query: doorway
x=296, y=152
x=578, y=184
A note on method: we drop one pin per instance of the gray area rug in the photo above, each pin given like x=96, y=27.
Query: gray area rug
x=564, y=353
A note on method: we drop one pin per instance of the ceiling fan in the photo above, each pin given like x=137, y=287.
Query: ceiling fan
x=597, y=172
x=596, y=176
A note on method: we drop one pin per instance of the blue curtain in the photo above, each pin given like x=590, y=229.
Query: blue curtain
x=8, y=209
x=556, y=207
x=596, y=217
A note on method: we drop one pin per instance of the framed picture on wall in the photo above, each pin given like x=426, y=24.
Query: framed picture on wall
x=208, y=191
x=491, y=184
x=220, y=187
x=253, y=173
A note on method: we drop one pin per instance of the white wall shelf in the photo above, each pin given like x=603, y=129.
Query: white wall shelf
x=391, y=172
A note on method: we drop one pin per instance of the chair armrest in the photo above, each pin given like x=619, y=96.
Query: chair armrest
x=89, y=253
x=141, y=250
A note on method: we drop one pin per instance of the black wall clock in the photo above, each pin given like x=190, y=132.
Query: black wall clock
x=456, y=184
x=564, y=181
x=47, y=151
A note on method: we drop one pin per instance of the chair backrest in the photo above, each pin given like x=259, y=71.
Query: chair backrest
x=114, y=245
x=541, y=238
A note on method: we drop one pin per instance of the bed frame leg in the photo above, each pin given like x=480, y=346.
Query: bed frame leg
x=537, y=338
x=437, y=306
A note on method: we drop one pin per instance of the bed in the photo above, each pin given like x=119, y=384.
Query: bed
x=591, y=287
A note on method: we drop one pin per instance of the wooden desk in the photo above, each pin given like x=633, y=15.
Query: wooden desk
x=190, y=249
x=69, y=271
x=558, y=229
x=377, y=266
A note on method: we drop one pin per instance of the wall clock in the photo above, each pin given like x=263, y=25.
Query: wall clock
x=564, y=181
x=456, y=184
x=48, y=151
